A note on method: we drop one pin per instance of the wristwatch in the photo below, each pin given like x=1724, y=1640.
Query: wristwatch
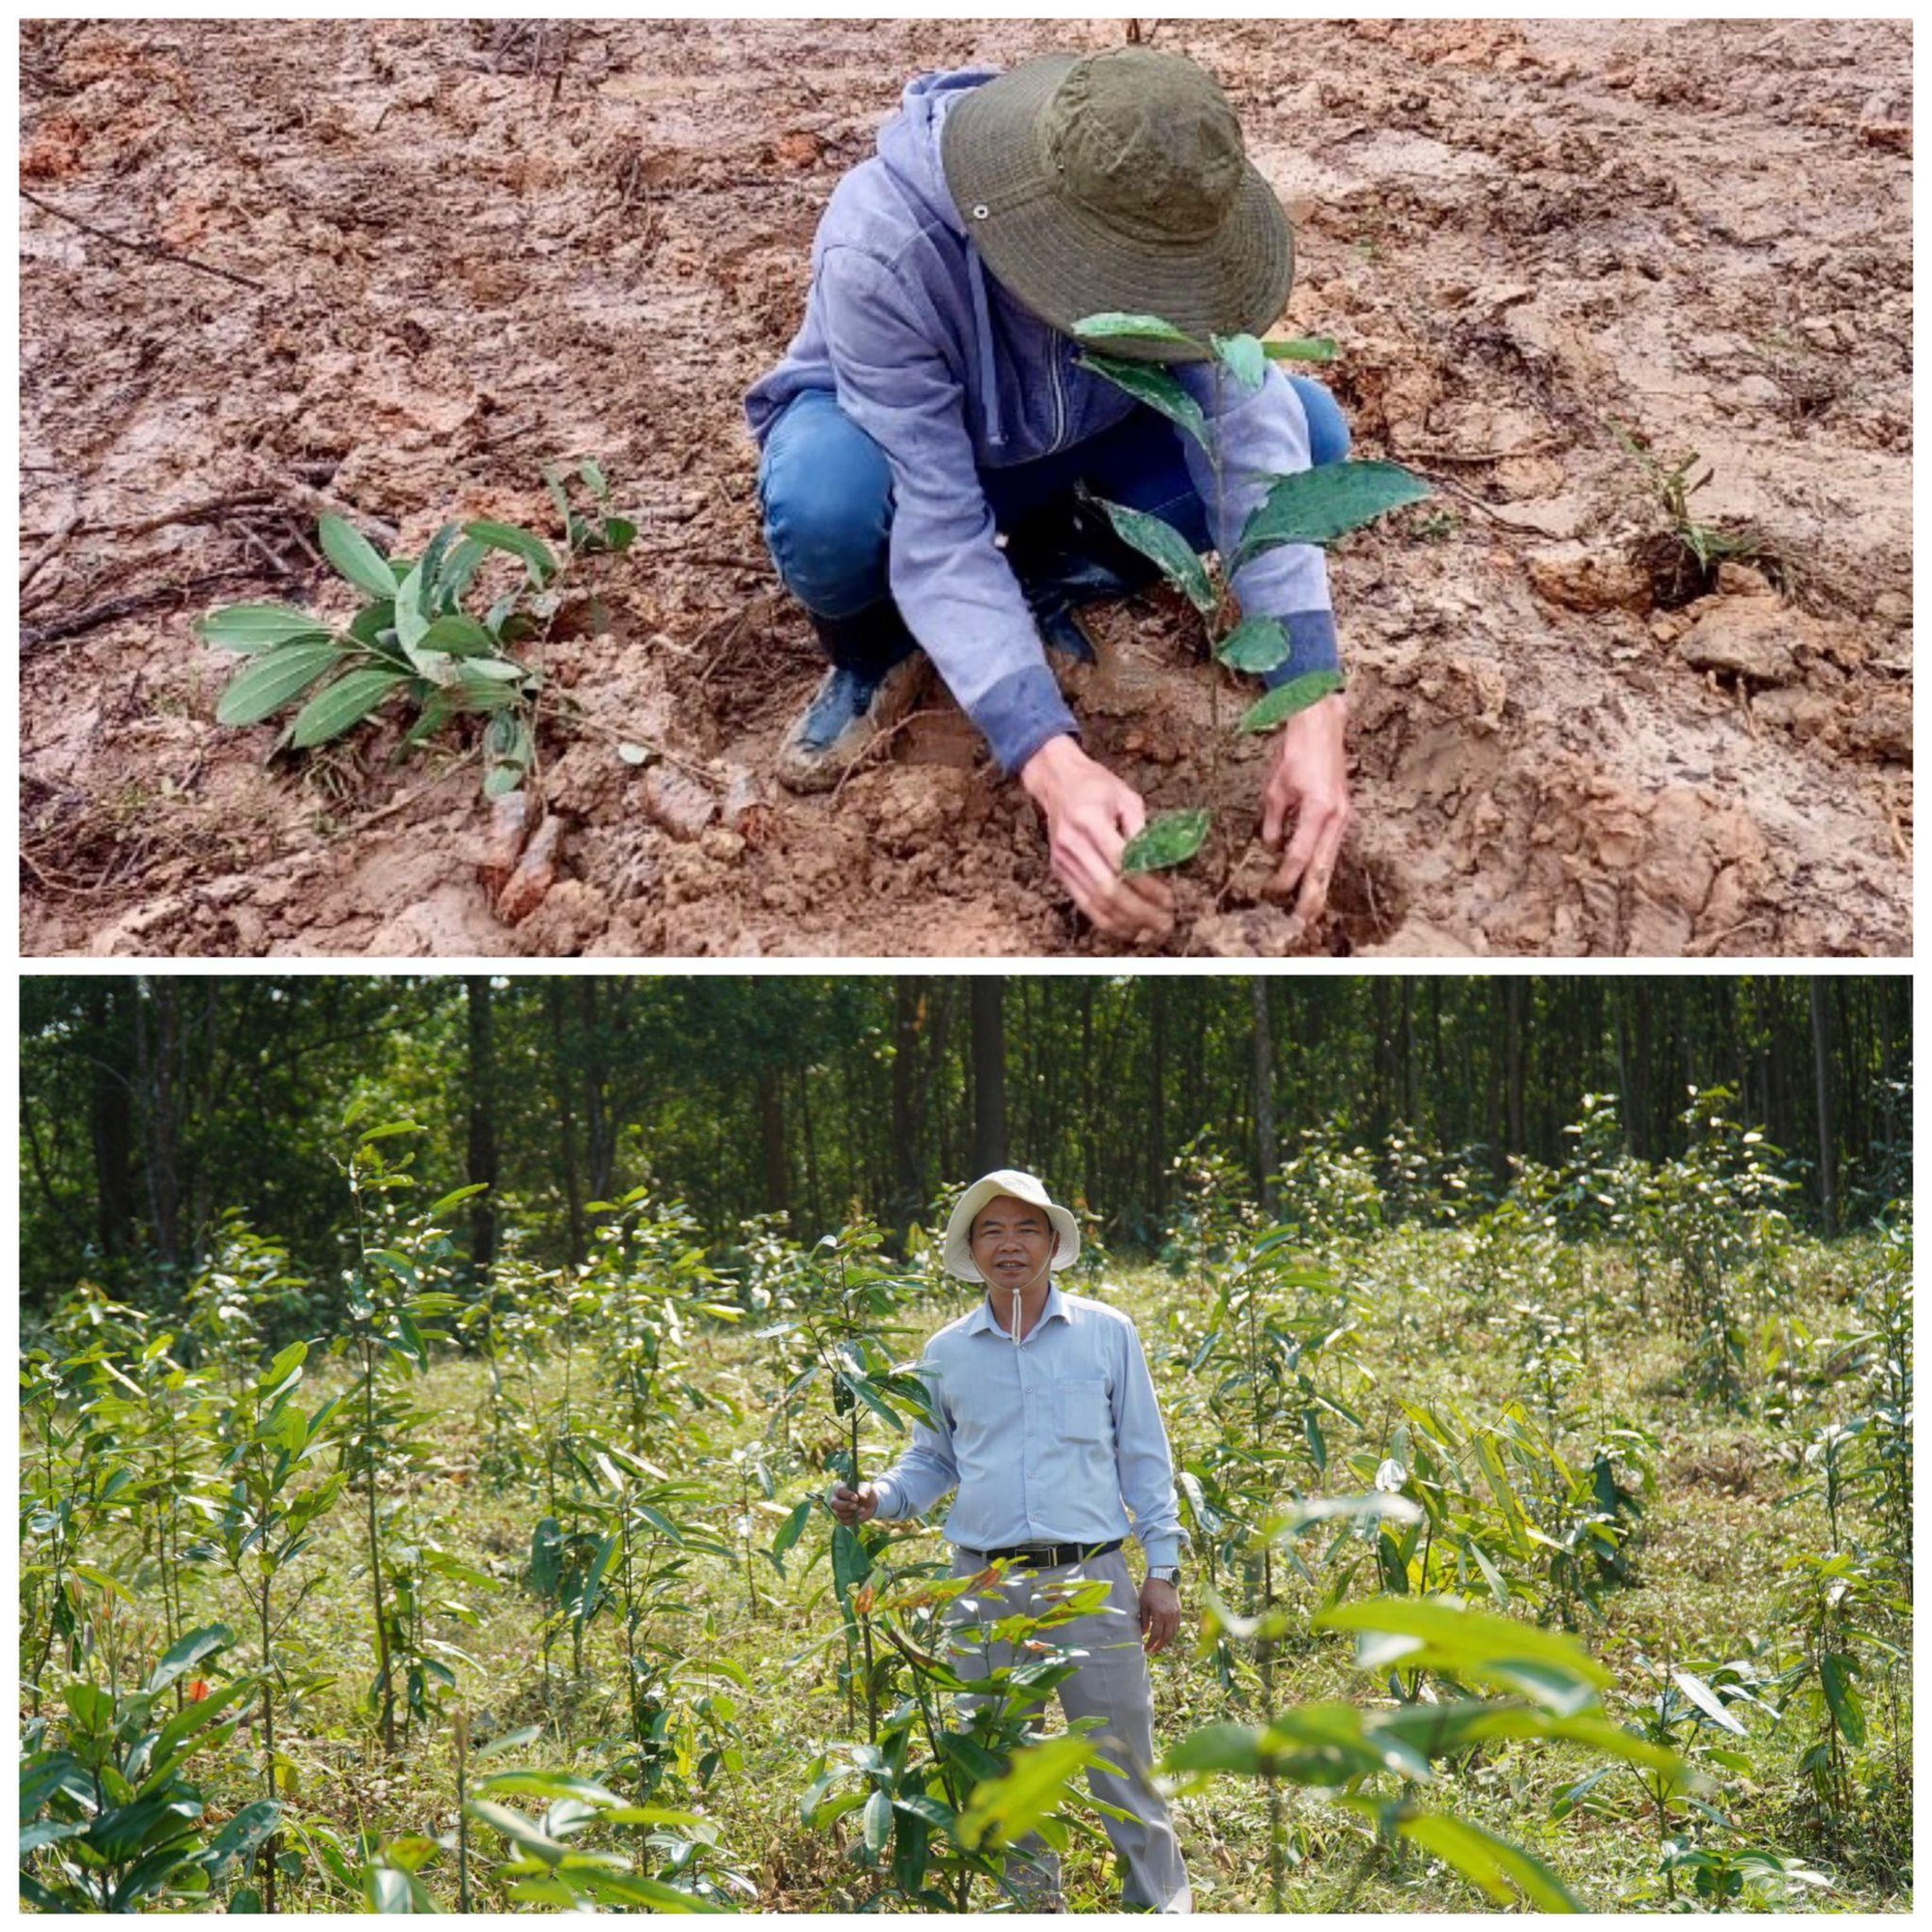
x=1165, y=1573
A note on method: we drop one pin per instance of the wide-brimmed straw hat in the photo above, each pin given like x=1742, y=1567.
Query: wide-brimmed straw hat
x=1117, y=182
x=958, y=1252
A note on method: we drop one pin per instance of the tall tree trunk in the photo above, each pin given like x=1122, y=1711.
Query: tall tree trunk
x=1821, y=1057
x=1512, y=1009
x=566, y=1116
x=1157, y=1148
x=908, y=1021
x=110, y=1121
x=990, y=1073
x=602, y=1151
x=772, y=1138
x=482, y=1123
x=1263, y=1044
x=157, y=1047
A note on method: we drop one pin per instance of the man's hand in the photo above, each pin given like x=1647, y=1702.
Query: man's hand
x=1308, y=779
x=1090, y=814
x=852, y=1507
x=1160, y=1614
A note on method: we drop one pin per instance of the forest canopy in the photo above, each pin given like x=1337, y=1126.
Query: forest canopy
x=151, y=1106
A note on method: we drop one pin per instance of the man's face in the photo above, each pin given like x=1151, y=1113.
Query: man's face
x=1013, y=1242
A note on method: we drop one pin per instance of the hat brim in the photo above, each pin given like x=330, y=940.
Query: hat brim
x=1065, y=263
x=957, y=1250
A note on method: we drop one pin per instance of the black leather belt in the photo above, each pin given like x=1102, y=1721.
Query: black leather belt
x=1046, y=1555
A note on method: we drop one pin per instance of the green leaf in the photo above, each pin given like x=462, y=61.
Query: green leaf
x=274, y=679
x=439, y=1209
x=1004, y=1810
x=257, y=627
x=458, y=567
x=412, y=619
x=850, y=1565
x=1160, y=541
x=239, y=1836
x=619, y=533
x=535, y=552
x=460, y=636
x=509, y=1740
x=593, y=476
x=1488, y=1861
x=1227, y=1748
x=1154, y=387
x=550, y=1784
x=878, y=1821
x=1301, y=349
x=349, y=699
x=1113, y=326
x=520, y=1830
x=1835, y=1674
x=789, y=1531
x=1168, y=838
x=1288, y=701
x=872, y=1399
x=281, y=1369
x=1255, y=644
x=187, y=1652
x=1706, y=1701
x=1243, y=358
x=1437, y=1633
x=1323, y=504
x=620, y=1887
x=357, y=557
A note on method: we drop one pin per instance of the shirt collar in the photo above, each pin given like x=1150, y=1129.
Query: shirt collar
x=981, y=1316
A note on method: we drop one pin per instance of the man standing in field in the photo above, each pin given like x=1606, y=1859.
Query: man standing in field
x=1046, y=1424
x=929, y=438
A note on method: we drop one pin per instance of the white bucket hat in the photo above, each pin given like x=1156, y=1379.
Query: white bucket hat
x=958, y=1251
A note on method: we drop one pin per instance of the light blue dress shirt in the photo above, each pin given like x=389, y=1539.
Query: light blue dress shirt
x=1057, y=1439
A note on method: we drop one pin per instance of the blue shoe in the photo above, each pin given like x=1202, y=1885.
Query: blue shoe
x=849, y=712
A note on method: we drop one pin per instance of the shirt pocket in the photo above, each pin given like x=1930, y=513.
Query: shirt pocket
x=1085, y=1413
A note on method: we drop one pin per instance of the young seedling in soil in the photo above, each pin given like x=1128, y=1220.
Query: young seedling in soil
x=412, y=635
x=1317, y=505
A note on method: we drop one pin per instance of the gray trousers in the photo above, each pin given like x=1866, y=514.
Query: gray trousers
x=1111, y=1682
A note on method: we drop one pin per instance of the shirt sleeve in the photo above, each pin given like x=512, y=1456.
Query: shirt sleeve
x=956, y=589
x=1147, y=1469
x=926, y=1470
x=1263, y=433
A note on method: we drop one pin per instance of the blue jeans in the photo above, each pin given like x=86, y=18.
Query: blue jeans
x=826, y=490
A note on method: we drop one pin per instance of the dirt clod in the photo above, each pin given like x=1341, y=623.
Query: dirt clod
x=537, y=872
x=1751, y=638
x=677, y=802
x=509, y=831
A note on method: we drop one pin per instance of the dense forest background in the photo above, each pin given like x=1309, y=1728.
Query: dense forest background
x=152, y=1105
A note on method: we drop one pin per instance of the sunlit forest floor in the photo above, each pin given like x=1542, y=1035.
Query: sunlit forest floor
x=1711, y=1583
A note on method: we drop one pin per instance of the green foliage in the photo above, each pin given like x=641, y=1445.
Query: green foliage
x=1551, y=1695
x=109, y=1819
x=412, y=635
x=1320, y=506
x=1168, y=838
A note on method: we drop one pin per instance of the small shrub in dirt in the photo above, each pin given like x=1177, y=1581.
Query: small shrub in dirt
x=414, y=637
x=1317, y=505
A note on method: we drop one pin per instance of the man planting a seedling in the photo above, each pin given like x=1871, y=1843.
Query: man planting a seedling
x=1045, y=1421
x=946, y=477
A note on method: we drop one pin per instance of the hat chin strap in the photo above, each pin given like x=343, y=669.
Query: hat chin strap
x=1014, y=1331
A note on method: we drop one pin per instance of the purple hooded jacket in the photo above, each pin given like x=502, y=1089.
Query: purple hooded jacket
x=950, y=375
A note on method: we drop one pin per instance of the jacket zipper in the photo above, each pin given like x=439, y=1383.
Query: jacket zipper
x=1058, y=398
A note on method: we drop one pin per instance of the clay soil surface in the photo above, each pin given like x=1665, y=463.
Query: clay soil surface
x=467, y=248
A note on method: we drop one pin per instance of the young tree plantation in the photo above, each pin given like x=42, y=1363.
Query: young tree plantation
x=431, y=1394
